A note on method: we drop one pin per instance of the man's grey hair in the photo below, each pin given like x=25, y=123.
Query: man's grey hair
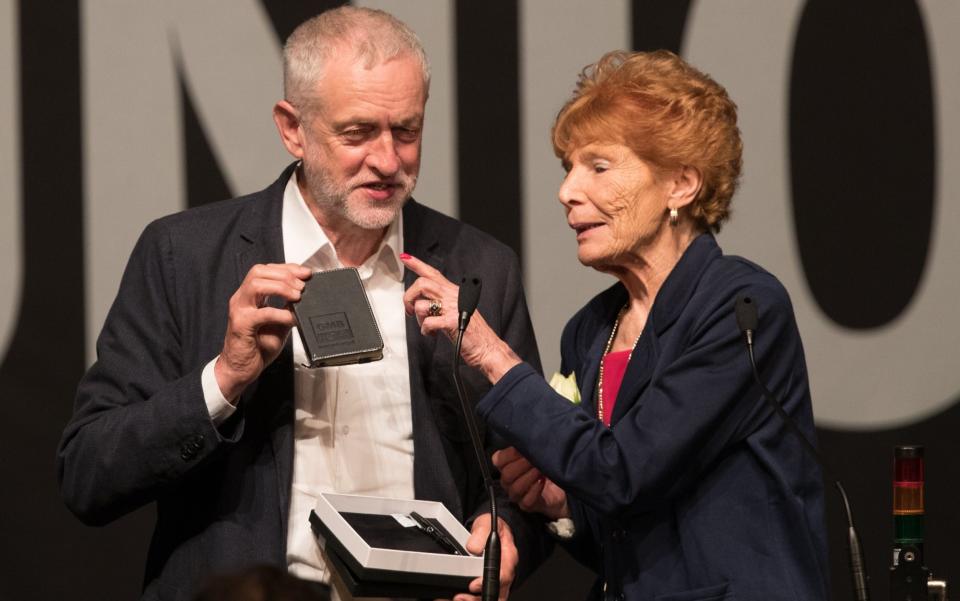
x=373, y=36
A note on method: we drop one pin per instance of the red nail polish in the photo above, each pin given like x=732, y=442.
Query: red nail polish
x=405, y=256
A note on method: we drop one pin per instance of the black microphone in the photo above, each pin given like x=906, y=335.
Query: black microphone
x=746, y=317
x=467, y=300
x=748, y=321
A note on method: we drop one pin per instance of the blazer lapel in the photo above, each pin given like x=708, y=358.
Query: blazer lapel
x=670, y=302
x=637, y=376
x=591, y=369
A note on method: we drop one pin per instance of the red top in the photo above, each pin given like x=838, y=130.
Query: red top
x=614, y=367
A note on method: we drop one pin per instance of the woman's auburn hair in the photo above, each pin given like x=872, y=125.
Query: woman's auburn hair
x=668, y=113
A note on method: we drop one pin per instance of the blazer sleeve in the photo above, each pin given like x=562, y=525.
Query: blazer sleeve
x=140, y=421
x=688, y=415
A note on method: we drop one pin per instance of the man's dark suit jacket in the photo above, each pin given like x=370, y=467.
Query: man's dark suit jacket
x=697, y=491
x=141, y=431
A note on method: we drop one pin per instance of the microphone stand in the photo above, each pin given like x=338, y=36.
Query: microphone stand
x=747, y=320
x=491, y=556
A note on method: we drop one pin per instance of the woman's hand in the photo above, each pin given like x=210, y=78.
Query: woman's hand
x=433, y=299
x=527, y=487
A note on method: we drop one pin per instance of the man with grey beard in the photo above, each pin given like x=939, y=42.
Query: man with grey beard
x=198, y=400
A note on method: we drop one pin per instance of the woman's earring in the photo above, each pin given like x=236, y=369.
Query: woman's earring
x=674, y=217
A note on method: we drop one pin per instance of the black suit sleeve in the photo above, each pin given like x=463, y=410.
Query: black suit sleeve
x=140, y=421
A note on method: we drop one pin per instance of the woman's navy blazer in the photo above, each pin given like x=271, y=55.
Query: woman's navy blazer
x=698, y=490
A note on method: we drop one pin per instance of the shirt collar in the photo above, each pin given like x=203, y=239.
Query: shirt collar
x=305, y=242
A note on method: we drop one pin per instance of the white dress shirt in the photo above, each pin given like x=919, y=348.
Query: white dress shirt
x=353, y=430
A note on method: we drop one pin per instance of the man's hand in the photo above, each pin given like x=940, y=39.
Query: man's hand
x=527, y=487
x=508, y=556
x=255, y=332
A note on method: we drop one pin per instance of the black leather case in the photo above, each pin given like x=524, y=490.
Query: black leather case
x=336, y=323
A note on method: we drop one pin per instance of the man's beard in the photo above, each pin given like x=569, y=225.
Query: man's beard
x=333, y=199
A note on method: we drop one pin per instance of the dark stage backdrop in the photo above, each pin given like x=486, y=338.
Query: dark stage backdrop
x=114, y=112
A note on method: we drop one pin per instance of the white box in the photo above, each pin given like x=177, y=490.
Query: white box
x=375, y=571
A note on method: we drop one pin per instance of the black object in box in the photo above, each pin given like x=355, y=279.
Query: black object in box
x=415, y=566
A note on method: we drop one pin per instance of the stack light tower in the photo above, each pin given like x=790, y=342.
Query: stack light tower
x=910, y=579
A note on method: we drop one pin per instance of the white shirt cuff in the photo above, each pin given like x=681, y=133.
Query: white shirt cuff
x=217, y=405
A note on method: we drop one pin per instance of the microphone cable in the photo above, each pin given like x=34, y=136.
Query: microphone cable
x=747, y=321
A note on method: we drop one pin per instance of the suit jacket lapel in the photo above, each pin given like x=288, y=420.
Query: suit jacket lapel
x=431, y=476
x=421, y=239
x=261, y=236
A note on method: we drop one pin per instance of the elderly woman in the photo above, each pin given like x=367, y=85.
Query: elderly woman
x=672, y=479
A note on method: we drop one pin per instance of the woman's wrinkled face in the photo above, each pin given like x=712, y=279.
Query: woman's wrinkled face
x=616, y=203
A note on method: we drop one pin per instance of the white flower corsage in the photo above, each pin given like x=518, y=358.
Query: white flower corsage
x=566, y=386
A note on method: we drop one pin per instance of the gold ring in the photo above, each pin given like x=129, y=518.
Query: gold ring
x=436, y=308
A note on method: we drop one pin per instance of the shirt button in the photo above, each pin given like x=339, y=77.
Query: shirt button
x=345, y=430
